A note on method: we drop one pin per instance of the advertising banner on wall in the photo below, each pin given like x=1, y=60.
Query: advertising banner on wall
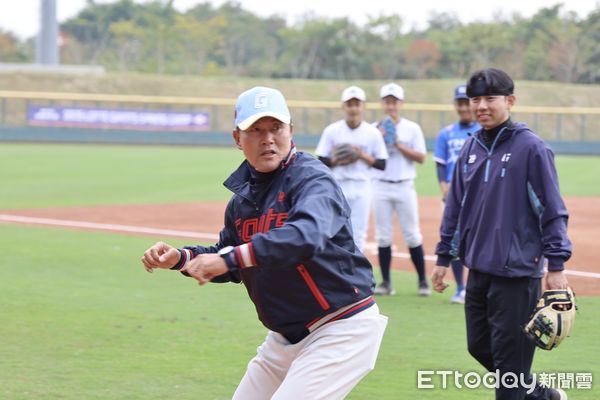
x=106, y=118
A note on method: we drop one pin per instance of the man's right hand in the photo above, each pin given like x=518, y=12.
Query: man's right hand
x=444, y=186
x=161, y=255
x=437, y=278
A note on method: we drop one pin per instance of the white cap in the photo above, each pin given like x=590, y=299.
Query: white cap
x=353, y=92
x=391, y=89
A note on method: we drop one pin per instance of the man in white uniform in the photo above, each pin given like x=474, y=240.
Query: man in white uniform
x=394, y=188
x=351, y=147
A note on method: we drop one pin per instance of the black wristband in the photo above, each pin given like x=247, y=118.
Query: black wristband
x=184, y=256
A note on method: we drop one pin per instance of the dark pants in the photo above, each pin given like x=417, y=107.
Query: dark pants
x=496, y=311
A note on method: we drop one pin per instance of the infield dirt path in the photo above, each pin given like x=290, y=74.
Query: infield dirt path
x=207, y=217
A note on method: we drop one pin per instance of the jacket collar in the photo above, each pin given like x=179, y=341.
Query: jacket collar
x=505, y=133
x=239, y=181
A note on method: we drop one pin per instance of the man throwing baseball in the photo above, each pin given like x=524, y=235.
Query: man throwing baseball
x=504, y=216
x=287, y=237
x=352, y=147
x=448, y=145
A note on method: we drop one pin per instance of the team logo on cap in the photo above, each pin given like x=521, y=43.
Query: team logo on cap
x=462, y=89
x=261, y=100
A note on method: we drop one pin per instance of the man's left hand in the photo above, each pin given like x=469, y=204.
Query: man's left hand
x=205, y=267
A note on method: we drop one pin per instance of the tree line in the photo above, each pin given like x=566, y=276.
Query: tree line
x=155, y=37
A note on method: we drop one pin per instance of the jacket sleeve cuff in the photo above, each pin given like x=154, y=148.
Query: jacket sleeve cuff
x=239, y=257
x=556, y=264
x=244, y=255
x=443, y=260
x=185, y=256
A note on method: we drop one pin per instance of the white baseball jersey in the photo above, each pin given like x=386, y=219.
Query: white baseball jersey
x=355, y=178
x=366, y=136
x=398, y=167
x=401, y=197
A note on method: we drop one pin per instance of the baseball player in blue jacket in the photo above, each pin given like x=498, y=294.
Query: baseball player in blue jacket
x=448, y=145
x=288, y=239
x=504, y=217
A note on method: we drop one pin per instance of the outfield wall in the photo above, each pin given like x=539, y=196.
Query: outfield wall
x=570, y=130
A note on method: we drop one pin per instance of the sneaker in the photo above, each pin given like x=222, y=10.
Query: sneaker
x=558, y=394
x=385, y=289
x=424, y=289
x=458, y=298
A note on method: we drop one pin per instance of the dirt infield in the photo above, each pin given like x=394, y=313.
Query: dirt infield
x=208, y=218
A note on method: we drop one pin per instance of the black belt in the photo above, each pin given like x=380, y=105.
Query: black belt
x=296, y=337
x=388, y=181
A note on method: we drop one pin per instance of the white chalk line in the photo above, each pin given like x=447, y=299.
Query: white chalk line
x=373, y=249
x=19, y=219
x=106, y=227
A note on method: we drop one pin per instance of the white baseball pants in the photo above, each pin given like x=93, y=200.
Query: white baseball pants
x=400, y=198
x=327, y=364
x=358, y=195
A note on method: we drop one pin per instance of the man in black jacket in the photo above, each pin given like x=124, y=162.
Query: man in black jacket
x=504, y=216
x=288, y=238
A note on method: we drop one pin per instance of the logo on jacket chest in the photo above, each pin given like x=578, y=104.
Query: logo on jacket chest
x=281, y=197
x=246, y=228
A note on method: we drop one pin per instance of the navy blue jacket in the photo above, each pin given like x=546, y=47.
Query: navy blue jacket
x=294, y=249
x=504, y=213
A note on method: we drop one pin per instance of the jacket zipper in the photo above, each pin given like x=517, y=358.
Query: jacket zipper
x=489, y=152
x=313, y=287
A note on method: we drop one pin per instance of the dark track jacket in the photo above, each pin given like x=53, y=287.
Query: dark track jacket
x=504, y=213
x=294, y=249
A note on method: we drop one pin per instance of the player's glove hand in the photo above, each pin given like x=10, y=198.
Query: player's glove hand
x=552, y=319
x=345, y=154
x=388, y=128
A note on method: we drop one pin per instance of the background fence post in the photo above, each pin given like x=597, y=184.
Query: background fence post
x=3, y=114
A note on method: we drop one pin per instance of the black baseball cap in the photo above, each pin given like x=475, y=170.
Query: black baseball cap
x=490, y=82
x=460, y=92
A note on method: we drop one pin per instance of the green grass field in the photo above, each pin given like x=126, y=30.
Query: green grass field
x=80, y=319
x=44, y=175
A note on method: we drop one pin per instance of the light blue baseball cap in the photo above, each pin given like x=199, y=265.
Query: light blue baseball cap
x=260, y=102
